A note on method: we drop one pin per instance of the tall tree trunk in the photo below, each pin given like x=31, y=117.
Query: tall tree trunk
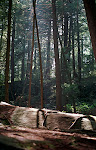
x=69, y=47
x=35, y=59
x=65, y=46
x=23, y=63
x=62, y=67
x=12, y=58
x=39, y=47
x=8, y=54
x=66, y=30
x=1, y=34
x=41, y=72
x=28, y=61
x=78, y=42
x=30, y=76
x=57, y=63
x=48, y=66
x=48, y=53
x=82, y=56
x=12, y=53
x=73, y=52
x=90, y=8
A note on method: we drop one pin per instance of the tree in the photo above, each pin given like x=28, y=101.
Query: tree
x=8, y=54
x=73, y=52
x=57, y=63
x=48, y=52
x=90, y=8
x=31, y=63
x=39, y=47
x=78, y=41
x=12, y=58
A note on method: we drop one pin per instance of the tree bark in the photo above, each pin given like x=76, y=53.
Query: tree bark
x=1, y=34
x=48, y=53
x=69, y=48
x=12, y=59
x=90, y=8
x=23, y=62
x=12, y=53
x=41, y=72
x=28, y=61
x=73, y=52
x=65, y=30
x=8, y=54
x=82, y=56
x=57, y=63
x=30, y=77
x=79, y=52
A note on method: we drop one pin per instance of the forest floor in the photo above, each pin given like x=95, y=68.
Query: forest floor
x=42, y=139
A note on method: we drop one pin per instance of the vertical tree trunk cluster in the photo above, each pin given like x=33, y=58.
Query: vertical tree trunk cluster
x=68, y=43
x=79, y=52
x=39, y=47
x=8, y=54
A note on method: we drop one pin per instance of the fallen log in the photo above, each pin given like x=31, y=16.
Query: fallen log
x=49, y=119
x=21, y=116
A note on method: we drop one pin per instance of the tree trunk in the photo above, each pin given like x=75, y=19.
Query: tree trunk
x=69, y=48
x=73, y=52
x=23, y=62
x=31, y=63
x=28, y=61
x=90, y=8
x=82, y=56
x=65, y=30
x=1, y=34
x=48, y=53
x=57, y=63
x=79, y=55
x=8, y=54
x=35, y=59
x=12, y=58
x=41, y=73
x=65, y=46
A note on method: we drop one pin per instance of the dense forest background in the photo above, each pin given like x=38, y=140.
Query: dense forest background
x=68, y=64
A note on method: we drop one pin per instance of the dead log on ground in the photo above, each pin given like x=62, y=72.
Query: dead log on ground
x=49, y=119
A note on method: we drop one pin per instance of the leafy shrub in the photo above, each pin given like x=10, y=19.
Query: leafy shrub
x=69, y=108
x=83, y=108
x=93, y=109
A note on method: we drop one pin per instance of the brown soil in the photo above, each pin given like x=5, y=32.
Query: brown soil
x=42, y=139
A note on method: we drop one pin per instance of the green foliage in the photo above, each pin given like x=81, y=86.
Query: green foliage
x=88, y=89
x=69, y=108
x=82, y=95
x=83, y=108
x=71, y=91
